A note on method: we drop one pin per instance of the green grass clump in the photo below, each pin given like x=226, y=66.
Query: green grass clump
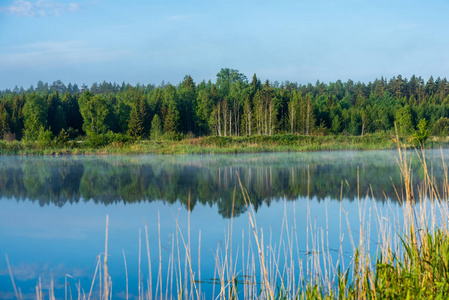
x=422, y=272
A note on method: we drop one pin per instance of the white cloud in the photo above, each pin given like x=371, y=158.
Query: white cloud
x=38, y=8
x=54, y=54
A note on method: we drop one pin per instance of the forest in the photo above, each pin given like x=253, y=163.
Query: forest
x=230, y=106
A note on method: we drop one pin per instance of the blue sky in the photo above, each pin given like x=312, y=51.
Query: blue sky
x=86, y=41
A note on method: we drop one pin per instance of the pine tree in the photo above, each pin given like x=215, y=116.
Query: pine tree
x=156, y=128
x=4, y=120
x=171, y=122
x=404, y=120
x=135, y=125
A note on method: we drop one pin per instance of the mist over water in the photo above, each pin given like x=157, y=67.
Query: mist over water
x=53, y=209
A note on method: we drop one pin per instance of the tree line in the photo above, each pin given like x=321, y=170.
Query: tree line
x=230, y=106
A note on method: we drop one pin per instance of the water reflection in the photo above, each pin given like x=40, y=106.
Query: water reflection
x=76, y=192
x=207, y=179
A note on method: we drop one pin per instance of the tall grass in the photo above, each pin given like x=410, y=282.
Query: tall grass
x=411, y=259
x=215, y=144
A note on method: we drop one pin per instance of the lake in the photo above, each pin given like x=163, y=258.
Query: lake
x=53, y=218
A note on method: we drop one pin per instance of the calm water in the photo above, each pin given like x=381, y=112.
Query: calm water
x=53, y=209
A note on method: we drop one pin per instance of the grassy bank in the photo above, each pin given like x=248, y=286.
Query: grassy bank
x=215, y=144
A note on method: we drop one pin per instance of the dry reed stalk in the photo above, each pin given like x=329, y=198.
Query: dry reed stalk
x=328, y=258
x=289, y=250
x=140, y=249
x=40, y=290
x=324, y=280
x=275, y=273
x=93, y=280
x=126, y=273
x=178, y=271
x=160, y=255
x=220, y=269
x=186, y=287
x=170, y=268
x=215, y=274
x=404, y=167
x=106, y=275
x=188, y=250
x=12, y=278
x=231, y=271
x=100, y=280
x=341, y=254
x=244, y=274
x=249, y=256
x=297, y=253
x=188, y=259
x=70, y=292
x=307, y=221
x=52, y=290
x=37, y=293
x=259, y=245
x=253, y=291
x=199, y=262
x=150, y=279
x=446, y=179
x=271, y=261
x=78, y=286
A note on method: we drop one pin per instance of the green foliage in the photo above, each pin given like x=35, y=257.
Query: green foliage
x=94, y=110
x=171, y=122
x=204, y=109
x=4, y=121
x=96, y=140
x=336, y=124
x=44, y=138
x=35, y=116
x=229, y=106
x=187, y=105
x=100, y=140
x=441, y=127
x=71, y=110
x=118, y=138
x=420, y=273
x=226, y=77
x=422, y=134
x=404, y=120
x=63, y=138
x=156, y=128
x=135, y=125
x=55, y=113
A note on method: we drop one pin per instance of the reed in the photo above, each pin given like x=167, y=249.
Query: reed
x=12, y=278
x=105, y=268
x=126, y=274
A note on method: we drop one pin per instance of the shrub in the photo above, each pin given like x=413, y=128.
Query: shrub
x=422, y=134
x=63, y=138
x=44, y=138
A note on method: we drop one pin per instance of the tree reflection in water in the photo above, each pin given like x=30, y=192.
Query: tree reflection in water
x=209, y=179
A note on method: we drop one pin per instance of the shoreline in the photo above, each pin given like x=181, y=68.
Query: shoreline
x=221, y=145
